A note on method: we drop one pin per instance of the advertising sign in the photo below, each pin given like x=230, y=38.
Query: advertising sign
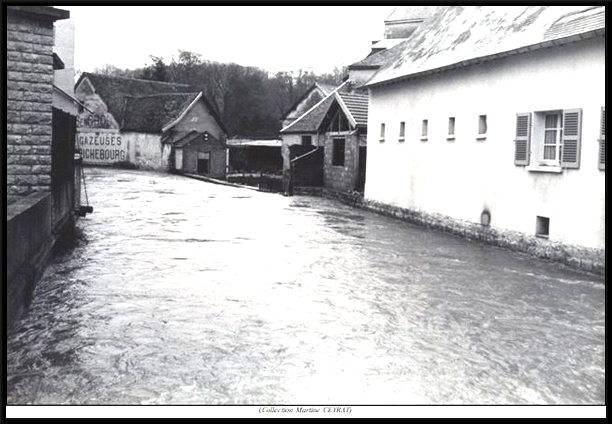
x=102, y=147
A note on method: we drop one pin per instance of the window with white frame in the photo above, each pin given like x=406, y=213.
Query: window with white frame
x=382, y=132
x=402, y=130
x=548, y=139
x=553, y=131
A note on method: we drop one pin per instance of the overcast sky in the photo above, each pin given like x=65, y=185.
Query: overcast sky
x=274, y=38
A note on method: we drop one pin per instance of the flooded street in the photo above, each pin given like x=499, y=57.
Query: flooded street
x=187, y=292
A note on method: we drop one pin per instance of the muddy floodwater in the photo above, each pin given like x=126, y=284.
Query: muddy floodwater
x=187, y=292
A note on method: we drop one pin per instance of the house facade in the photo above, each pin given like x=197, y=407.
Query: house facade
x=42, y=177
x=490, y=121
x=331, y=150
x=137, y=121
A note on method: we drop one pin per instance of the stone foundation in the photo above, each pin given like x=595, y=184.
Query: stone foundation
x=580, y=258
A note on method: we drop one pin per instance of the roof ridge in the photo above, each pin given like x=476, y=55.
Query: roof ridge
x=134, y=79
x=193, y=93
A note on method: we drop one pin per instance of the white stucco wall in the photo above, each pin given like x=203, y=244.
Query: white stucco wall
x=460, y=178
x=147, y=151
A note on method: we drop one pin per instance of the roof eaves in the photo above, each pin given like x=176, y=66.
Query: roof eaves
x=314, y=107
x=76, y=101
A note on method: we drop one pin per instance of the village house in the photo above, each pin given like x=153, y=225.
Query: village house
x=489, y=121
x=150, y=125
x=324, y=133
x=43, y=187
x=333, y=141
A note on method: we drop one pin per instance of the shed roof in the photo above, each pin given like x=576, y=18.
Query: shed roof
x=114, y=90
x=460, y=35
x=355, y=106
x=311, y=119
x=257, y=142
x=324, y=90
x=150, y=114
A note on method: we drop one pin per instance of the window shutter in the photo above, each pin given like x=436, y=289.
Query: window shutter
x=572, y=128
x=523, y=135
x=602, y=141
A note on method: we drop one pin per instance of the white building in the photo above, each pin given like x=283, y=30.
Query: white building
x=490, y=121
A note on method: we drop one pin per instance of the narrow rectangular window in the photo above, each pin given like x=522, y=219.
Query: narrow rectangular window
x=482, y=124
x=451, y=127
x=602, y=141
x=424, y=129
x=338, y=151
x=382, y=132
x=402, y=130
x=306, y=140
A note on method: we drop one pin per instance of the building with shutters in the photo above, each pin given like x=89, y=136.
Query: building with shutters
x=489, y=121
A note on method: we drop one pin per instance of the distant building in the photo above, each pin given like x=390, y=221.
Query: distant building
x=138, y=121
x=254, y=155
x=490, y=121
x=333, y=133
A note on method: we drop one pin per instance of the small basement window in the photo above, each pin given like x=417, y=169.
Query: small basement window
x=542, y=226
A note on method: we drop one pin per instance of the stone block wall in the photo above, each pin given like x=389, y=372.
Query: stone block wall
x=341, y=177
x=585, y=259
x=29, y=103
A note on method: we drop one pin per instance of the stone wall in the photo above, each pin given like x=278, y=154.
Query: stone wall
x=341, y=177
x=584, y=259
x=29, y=48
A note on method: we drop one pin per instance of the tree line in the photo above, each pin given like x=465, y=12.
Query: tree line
x=249, y=100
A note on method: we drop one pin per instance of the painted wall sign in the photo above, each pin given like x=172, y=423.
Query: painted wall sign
x=102, y=147
x=94, y=120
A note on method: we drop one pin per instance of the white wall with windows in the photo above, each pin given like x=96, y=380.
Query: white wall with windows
x=475, y=169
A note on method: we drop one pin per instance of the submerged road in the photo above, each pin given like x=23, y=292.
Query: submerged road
x=182, y=291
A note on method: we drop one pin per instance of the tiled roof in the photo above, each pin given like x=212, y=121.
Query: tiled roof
x=403, y=13
x=457, y=35
x=114, y=90
x=149, y=114
x=357, y=104
x=311, y=120
x=324, y=90
x=577, y=23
